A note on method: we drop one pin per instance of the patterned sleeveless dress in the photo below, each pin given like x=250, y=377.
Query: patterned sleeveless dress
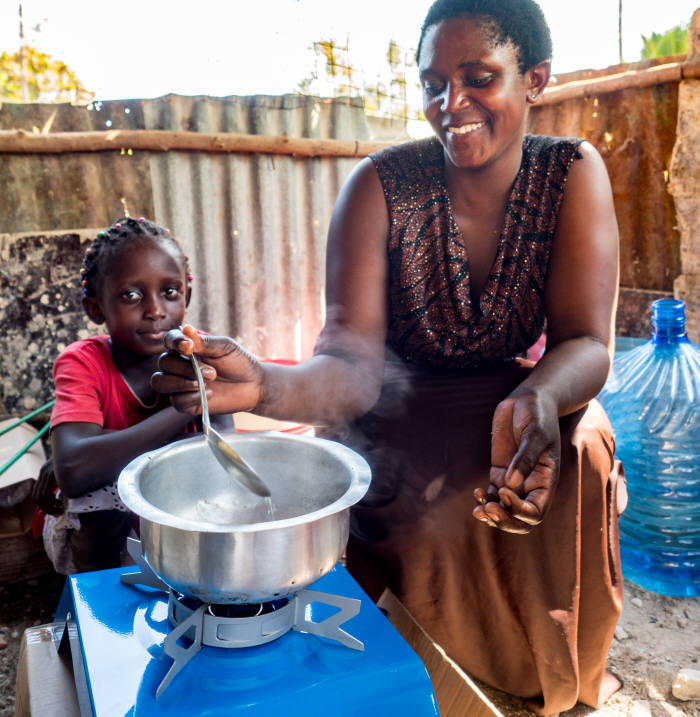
x=532, y=615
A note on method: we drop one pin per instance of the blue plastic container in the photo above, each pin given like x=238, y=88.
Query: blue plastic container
x=653, y=400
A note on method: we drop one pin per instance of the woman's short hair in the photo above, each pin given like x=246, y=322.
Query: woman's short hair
x=521, y=22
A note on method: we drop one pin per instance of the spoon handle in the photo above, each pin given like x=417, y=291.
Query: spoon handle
x=203, y=394
x=228, y=457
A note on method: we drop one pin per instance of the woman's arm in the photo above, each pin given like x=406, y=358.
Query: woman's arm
x=581, y=291
x=580, y=304
x=87, y=457
x=343, y=378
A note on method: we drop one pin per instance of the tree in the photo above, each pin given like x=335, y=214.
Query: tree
x=33, y=76
x=671, y=42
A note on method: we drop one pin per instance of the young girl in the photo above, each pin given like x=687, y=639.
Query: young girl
x=136, y=281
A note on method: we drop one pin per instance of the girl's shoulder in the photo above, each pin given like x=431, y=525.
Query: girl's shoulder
x=82, y=376
x=91, y=350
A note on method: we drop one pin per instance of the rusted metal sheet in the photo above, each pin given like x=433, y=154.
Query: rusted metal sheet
x=634, y=130
x=46, y=193
x=255, y=236
x=253, y=226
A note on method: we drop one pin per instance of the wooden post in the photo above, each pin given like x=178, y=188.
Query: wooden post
x=158, y=140
x=684, y=181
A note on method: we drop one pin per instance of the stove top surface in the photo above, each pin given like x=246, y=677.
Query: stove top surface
x=122, y=629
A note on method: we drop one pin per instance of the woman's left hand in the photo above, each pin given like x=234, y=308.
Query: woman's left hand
x=525, y=451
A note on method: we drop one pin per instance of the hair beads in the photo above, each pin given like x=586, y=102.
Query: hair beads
x=109, y=242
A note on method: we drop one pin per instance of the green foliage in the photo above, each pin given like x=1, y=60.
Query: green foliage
x=671, y=42
x=33, y=76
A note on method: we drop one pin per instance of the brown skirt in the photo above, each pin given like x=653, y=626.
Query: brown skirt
x=532, y=615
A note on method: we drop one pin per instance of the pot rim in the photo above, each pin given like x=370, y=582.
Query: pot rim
x=131, y=496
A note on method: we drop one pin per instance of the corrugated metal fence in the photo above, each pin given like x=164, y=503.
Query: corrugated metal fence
x=634, y=129
x=253, y=225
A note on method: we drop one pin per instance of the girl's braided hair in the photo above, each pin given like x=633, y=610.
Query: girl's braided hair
x=110, y=242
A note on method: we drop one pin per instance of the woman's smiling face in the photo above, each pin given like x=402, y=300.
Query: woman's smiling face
x=474, y=95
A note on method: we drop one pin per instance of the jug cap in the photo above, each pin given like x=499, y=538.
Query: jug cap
x=668, y=320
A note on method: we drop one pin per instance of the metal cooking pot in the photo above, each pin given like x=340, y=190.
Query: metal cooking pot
x=211, y=539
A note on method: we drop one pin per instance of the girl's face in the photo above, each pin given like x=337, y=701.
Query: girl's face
x=142, y=297
x=474, y=95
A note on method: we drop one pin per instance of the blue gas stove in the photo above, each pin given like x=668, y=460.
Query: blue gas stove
x=139, y=650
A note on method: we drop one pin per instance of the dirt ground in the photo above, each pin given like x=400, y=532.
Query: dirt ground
x=656, y=637
x=22, y=605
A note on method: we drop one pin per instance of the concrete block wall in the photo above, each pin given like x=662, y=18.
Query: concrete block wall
x=40, y=313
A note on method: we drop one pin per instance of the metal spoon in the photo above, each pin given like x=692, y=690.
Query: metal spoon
x=227, y=457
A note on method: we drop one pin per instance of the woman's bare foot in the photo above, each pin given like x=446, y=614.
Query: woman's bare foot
x=609, y=685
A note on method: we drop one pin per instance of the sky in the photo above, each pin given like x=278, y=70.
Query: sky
x=147, y=48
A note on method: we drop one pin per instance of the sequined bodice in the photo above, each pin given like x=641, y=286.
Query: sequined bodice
x=433, y=320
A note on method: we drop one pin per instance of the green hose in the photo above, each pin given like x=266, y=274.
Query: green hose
x=30, y=443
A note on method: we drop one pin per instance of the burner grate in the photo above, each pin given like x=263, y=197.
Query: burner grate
x=204, y=624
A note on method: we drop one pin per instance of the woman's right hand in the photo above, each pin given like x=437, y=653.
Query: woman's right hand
x=233, y=377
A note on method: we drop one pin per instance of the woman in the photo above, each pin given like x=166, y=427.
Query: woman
x=445, y=258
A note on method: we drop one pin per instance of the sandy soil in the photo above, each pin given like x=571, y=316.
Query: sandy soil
x=656, y=637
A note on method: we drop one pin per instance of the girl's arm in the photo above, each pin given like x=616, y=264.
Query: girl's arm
x=580, y=303
x=87, y=457
x=343, y=378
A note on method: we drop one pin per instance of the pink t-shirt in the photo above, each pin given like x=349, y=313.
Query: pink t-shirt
x=89, y=388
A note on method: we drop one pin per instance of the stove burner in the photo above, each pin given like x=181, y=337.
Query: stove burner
x=236, y=626
x=247, y=610
x=235, y=610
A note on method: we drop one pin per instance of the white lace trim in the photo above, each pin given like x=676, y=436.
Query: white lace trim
x=106, y=498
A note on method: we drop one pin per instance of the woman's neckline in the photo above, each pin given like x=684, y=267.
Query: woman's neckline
x=484, y=302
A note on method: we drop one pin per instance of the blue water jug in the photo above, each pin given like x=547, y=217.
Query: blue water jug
x=652, y=398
